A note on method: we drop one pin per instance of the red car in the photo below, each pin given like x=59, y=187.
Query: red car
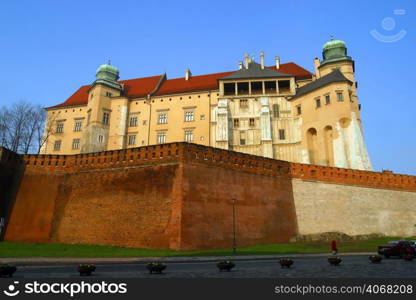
x=397, y=248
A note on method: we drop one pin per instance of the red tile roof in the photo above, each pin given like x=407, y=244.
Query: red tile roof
x=141, y=87
x=133, y=88
x=195, y=83
x=294, y=69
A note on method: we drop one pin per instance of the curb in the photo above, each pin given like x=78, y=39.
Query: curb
x=32, y=261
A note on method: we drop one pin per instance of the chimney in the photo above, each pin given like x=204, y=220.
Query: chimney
x=262, y=60
x=188, y=74
x=247, y=60
x=240, y=65
x=277, y=58
x=317, y=63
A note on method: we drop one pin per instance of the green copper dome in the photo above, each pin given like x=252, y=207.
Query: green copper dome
x=108, y=75
x=108, y=71
x=334, y=50
x=334, y=44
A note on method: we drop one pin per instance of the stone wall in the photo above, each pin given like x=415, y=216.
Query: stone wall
x=353, y=210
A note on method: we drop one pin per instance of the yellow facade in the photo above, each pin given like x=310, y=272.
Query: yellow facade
x=257, y=110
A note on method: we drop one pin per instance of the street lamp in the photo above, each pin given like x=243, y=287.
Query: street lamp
x=234, y=241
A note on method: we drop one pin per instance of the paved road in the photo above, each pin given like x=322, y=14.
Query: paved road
x=356, y=266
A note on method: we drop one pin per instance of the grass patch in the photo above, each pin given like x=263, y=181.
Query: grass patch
x=8, y=249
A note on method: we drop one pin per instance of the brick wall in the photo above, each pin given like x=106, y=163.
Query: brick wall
x=174, y=196
x=384, y=180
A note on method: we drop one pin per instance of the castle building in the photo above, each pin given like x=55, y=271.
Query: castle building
x=281, y=111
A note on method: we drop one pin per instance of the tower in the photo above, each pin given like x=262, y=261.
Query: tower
x=329, y=112
x=105, y=87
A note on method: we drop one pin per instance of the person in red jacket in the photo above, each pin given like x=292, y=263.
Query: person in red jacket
x=334, y=247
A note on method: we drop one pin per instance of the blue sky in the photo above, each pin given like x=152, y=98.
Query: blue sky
x=50, y=48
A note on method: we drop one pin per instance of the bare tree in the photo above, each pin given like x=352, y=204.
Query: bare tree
x=44, y=132
x=20, y=127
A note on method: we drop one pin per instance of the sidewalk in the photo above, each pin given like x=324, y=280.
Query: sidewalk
x=175, y=259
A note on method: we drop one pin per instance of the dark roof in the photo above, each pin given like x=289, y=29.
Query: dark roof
x=334, y=76
x=255, y=71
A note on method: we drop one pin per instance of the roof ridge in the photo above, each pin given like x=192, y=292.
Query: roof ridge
x=335, y=76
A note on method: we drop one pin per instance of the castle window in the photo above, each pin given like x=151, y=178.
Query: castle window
x=243, y=103
x=202, y=117
x=163, y=118
x=242, y=88
x=133, y=121
x=270, y=87
x=189, y=135
x=106, y=118
x=242, y=138
x=276, y=112
x=161, y=137
x=57, y=145
x=252, y=122
x=256, y=87
x=229, y=88
x=318, y=102
x=340, y=96
x=60, y=127
x=236, y=122
x=78, y=126
x=75, y=144
x=282, y=135
x=284, y=86
x=189, y=116
x=132, y=140
x=108, y=94
x=101, y=139
x=327, y=99
x=299, y=109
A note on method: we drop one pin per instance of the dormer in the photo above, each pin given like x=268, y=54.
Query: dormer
x=254, y=79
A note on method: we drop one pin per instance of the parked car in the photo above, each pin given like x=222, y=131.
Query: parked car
x=397, y=248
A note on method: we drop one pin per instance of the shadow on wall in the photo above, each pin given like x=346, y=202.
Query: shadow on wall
x=11, y=172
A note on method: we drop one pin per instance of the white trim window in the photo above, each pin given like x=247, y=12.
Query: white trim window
x=162, y=118
x=161, y=137
x=133, y=121
x=57, y=145
x=75, y=144
x=340, y=96
x=106, y=118
x=189, y=116
x=132, y=140
x=189, y=135
x=59, y=127
x=78, y=125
